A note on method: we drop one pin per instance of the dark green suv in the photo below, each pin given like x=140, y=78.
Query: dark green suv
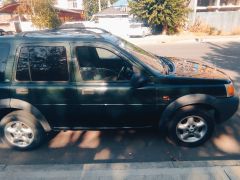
x=89, y=79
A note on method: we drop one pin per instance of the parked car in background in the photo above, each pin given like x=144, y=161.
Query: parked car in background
x=78, y=24
x=138, y=30
x=2, y=32
x=89, y=79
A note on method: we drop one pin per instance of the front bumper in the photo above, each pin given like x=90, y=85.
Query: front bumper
x=226, y=107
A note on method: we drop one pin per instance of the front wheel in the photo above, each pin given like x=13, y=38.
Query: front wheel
x=191, y=127
x=21, y=130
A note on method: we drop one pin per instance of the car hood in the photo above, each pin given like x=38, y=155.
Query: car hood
x=195, y=69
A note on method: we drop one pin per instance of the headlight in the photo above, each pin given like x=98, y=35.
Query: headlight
x=230, y=90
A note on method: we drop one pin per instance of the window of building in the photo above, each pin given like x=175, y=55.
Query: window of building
x=207, y=2
x=216, y=2
x=42, y=63
x=229, y=2
x=72, y=4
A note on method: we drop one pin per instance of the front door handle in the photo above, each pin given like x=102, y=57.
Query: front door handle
x=87, y=91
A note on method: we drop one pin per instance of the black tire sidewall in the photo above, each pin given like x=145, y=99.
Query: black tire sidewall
x=27, y=119
x=185, y=113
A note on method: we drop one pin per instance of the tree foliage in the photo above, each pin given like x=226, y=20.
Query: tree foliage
x=42, y=13
x=91, y=7
x=170, y=15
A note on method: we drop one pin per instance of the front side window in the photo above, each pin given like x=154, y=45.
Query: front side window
x=42, y=63
x=99, y=64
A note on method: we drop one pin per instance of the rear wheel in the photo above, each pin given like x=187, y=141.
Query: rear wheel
x=21, y=130
x=191, y=127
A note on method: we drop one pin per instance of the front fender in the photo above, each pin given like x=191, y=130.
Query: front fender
x=183, y=101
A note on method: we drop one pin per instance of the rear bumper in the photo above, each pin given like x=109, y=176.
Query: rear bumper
x=226, y=107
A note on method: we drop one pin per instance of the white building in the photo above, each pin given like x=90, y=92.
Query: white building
x=1, y=3
x=70, y=4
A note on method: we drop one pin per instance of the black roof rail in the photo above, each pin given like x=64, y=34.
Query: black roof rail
x=86, y=30
x=82, y=28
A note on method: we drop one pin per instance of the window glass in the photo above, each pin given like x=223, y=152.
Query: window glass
x=42, y=63
x=105, y=54
x=93, y=66
x=4, y=51
x=229, y=2
x=22, y=73
x=207, y=2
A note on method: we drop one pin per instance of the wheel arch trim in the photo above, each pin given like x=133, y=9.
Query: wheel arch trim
x=187, y=100
x=23, y=105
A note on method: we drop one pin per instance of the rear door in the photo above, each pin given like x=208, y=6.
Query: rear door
x=42, y=79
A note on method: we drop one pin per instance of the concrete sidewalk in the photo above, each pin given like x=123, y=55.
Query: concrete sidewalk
x=118, y=171
x=156, y=39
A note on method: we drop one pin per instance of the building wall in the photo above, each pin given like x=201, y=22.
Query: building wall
x=226, y=21
x=70, y=4
x=224, y=15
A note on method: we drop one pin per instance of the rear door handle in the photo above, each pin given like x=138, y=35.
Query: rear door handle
x=22, y=91
x=87, y=91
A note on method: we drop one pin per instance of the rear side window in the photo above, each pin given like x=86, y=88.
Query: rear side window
x=42, y=63
x=4, y=52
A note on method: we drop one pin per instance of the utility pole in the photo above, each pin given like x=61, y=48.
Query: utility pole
x=99, y=6
x=195, y=10
x=109, y=4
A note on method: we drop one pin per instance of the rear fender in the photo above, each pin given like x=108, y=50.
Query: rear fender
x=23, y=105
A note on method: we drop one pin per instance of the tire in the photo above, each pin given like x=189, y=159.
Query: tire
x=22, y=126
x=190, y=127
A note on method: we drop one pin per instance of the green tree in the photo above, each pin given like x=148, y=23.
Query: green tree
x=42, y=13
x=170, y=15
x=91, y=7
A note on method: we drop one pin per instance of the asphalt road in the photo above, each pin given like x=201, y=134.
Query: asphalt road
x=144, y=145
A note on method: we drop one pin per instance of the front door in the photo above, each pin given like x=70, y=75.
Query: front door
x=105, y=95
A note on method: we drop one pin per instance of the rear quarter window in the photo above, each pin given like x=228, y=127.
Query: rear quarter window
x=4, y=52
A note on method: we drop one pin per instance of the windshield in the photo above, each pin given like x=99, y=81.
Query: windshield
x=147, y=58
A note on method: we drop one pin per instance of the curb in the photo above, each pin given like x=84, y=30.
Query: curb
x=121, y=171
x=127, y=166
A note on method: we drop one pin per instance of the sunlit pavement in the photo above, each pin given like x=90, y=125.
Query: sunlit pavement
x=206, y=170
x=143, y=145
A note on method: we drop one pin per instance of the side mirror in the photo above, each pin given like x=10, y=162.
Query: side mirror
x=138, y=80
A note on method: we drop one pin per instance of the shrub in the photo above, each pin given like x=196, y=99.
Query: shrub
x=168, y=14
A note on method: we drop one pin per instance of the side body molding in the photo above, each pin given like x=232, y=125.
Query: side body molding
x=23, y=105
x=5, y=103
x=187, y=100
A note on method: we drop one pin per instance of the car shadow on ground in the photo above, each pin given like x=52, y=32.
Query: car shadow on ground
x=73, y=147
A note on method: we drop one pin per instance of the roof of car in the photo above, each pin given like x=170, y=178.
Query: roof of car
x=63, y=34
